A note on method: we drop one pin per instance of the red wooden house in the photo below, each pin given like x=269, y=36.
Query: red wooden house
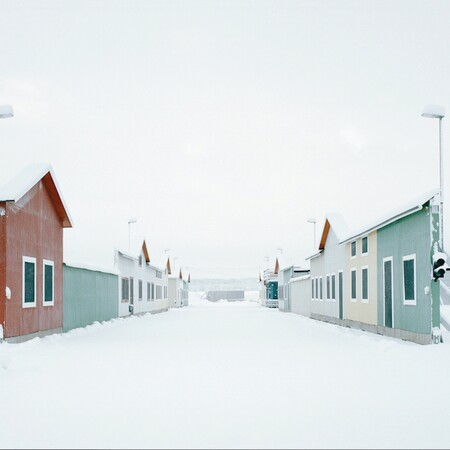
x=32, y=217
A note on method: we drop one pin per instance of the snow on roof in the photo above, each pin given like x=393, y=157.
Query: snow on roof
x=338, y=224
x=302, y=278
x=19, y=185
x=410, y=207
x=136, y=251
x=78, y=265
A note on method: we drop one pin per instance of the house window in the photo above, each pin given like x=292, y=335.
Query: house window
x=140, y=290
x=365, y=284
x=312, y=288
x=364, y=245
x=29, y=282
x=317, y=288
x=148, y=291
x=48, y=283
x=153, y=291
x=158, y=292
x=131, y=290
x=140, y=260
x=328, y=287
x=333, y=287
x=165, y=291
x=321, y=288
x=158, y=274
x=353, y=284
x=353, y=249
x=125, y=289
x=409, y=280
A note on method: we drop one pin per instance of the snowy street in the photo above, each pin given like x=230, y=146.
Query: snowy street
x=223, y=375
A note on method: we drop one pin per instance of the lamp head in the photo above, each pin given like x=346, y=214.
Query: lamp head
x=433, y=112
x=6, y=111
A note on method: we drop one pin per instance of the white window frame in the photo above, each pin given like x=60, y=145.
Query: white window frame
x=28, y=259
x=391, y=259
x=333, y=299
x=365, y=300
x=409, y=258
x=356, y=249
x=354, y=299
x=47, y=262
x=366, y=253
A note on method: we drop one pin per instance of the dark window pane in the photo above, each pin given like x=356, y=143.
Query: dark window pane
x=328, y=287
x=354, y=284
x=365, y=283
x=333, y=287
x=364, y=245
x=29, y=282
x=312, y=288
x=408, y=279
x=321, y=288
x=354, y=248
x=48, y=280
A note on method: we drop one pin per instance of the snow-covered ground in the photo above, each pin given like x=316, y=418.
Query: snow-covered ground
x=224, y=374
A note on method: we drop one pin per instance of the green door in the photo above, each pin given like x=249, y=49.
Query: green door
x=387, y=276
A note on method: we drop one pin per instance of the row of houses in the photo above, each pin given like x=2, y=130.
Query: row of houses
x=40, y=294
x=378, y=278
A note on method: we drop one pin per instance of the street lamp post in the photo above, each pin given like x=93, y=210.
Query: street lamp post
x=6, y=112
x=311, y=220
x=130, y=221
x=438, y=112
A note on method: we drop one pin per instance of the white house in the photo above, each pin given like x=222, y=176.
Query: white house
x=143, y=286
x=178, y=289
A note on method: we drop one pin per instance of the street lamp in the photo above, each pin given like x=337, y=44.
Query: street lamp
x=312, y=220
x=438, y=112
x=6, y=111
x=130, y=221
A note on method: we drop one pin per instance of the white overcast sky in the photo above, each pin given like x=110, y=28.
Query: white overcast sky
x=223, y=125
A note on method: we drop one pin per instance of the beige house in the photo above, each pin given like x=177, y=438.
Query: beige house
x=361, y=278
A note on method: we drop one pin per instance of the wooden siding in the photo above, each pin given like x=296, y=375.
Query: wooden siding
x=34, y=229
x=407, y=236
x=89, y=296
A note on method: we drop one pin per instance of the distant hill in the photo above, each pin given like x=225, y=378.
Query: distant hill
x=220, y=284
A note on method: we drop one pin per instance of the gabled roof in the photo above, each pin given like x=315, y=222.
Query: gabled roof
x=145, y=252
x=404, y=210
x=169, y=270
x=339, y=226
x=18, y=186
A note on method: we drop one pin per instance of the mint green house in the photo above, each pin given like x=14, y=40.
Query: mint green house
x=90, y=295
x=400, y=297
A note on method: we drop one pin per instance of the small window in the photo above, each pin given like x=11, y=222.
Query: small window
x=131, y=290
x=29, y=282
x=158, y=274
x=125, y=289
x=333, y=287
x=312, y=288
x=48, y=283
x=328, y=287
x=353, y=249
x=140, y=290
x=158, y=292
x=165, y=291
x=409, y=280
x=148, y=291
x=140, y=260
x=317, y=288
x=365, y=245
x=321, y=288
x=353, y=284
x=153, y=291
x=365, y=284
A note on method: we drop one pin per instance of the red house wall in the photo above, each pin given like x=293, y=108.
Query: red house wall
x=33, y=229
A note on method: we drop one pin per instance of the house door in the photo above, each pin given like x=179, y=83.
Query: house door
x=388, y=304
x=341, y=296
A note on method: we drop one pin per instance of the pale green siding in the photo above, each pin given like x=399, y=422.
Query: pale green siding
x=408, y=236
x=89, y=296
